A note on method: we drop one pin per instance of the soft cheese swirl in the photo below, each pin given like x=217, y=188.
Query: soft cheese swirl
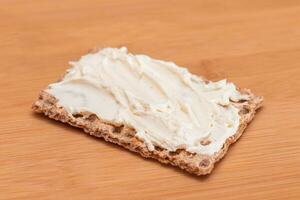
x=166, y=104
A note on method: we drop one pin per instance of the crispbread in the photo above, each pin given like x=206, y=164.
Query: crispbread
x=124, y=135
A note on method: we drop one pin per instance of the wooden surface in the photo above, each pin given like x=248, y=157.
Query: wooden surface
x=255, y=44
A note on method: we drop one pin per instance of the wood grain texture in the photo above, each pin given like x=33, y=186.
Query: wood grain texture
x=255, y=44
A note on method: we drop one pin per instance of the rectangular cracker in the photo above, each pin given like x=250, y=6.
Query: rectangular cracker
x=123, y=135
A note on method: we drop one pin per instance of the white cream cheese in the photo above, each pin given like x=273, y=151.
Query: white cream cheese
x=166, y=104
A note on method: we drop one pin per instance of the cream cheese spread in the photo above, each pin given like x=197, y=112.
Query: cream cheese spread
x=166, y=104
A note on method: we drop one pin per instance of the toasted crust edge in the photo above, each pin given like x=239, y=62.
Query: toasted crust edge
x=124, y=136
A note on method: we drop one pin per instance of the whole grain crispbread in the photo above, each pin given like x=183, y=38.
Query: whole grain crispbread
x=124, y=135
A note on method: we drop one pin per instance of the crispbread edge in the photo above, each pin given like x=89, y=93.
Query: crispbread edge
x=124, y=135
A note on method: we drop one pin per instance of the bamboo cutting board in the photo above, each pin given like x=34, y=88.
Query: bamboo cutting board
x=255, y=44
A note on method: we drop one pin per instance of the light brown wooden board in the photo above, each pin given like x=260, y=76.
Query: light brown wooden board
x=255, y=44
